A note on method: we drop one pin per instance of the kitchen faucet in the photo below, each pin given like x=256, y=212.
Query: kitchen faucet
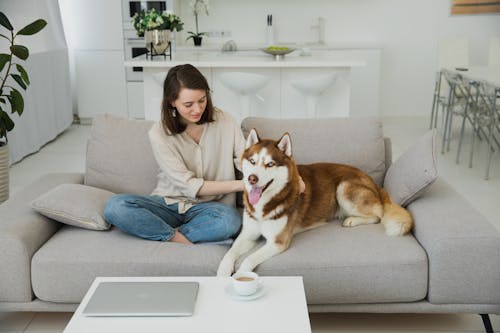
x=320, y=26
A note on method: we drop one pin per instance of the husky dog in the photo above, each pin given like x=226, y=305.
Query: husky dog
x=275, y=208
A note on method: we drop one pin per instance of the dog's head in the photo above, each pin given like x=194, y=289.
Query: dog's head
x=267, y=165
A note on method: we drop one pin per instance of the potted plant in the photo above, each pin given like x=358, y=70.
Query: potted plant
x=12, y=76
x=197, y=5
x=156, y=27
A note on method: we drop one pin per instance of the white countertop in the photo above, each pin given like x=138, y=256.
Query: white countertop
x=252, y=58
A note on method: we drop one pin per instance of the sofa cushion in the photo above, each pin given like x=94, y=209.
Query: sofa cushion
x=119, y=156
x=354, y=265
x=357, y=141
x=413, y=171
x=65, y=266
x=339, y=265
x=74, y=204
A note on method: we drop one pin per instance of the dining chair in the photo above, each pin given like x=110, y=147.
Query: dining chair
x=452, y=53
x=457, y=103
x=472, y=108
x=486, y=120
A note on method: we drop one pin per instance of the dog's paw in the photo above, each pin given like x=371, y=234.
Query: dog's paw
x=246, y=266
x=348, y=222
x=225, y=268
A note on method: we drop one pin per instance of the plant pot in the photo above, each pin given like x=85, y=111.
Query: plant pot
x=197, y=41
x=157, y=41
x=4, y=173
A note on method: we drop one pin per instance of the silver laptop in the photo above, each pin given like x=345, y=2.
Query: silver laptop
x=137, y=299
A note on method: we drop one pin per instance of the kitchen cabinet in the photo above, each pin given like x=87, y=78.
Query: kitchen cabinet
x=356, y=91
x=135, y=100
x=277, y=99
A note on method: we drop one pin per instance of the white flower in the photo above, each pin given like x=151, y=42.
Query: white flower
x=195, y=4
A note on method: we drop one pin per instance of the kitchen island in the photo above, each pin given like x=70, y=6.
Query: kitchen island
x=278, y=98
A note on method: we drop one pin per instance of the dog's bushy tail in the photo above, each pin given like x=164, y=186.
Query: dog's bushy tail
x=396, y=220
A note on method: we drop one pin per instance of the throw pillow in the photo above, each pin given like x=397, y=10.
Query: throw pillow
x=119, y=155
x=413, y=172
x=75, y=204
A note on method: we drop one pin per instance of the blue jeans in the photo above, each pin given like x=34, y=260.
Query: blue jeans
x=151, y=218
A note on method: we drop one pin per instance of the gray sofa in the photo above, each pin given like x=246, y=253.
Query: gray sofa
x=450, y=263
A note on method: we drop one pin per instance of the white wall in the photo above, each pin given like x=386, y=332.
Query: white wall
x=408, y=32
x=94, y=34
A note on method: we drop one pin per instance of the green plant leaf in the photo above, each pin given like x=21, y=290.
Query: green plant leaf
x=33, y=27
x=19, y=80
x=7, y=123
x=23, y=73
x=16, y=101
x=4, y=58
x=20, y=51
x=2, y=100
x=5, y=22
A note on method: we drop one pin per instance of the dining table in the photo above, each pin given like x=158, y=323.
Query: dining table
x=490, y=74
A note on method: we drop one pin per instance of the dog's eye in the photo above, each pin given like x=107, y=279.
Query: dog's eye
x=252, y=161
x=269, y=164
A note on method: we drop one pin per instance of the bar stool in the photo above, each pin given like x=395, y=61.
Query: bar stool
x=312, y=87
x=246, y=85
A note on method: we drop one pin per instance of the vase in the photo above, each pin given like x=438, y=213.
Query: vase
x=4, y=173
x=157, y=41
x=197, y=40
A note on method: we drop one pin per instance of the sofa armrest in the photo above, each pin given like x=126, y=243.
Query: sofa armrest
x=463, y=248
x=22, y=232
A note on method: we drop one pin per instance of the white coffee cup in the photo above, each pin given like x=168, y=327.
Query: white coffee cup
x=245, y=283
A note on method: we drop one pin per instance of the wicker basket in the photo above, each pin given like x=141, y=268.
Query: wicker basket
x=4, y=173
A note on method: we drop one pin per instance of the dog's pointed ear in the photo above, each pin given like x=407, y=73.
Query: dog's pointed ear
x=252, y=139
x=285, y=144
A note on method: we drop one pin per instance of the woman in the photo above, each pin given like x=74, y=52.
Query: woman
x=196, y=147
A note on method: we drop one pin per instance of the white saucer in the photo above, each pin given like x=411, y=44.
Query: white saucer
x=261, y=290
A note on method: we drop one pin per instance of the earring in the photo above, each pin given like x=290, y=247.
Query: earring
x=174, y=114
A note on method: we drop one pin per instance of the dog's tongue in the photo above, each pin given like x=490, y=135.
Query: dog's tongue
x=255, y=194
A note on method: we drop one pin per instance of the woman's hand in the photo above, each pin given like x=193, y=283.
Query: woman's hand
x=217, y=187
x=302, y=185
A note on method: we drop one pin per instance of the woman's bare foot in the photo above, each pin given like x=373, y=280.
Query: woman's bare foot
x=180, y=238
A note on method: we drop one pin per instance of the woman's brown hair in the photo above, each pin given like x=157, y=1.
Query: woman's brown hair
x=178, y=77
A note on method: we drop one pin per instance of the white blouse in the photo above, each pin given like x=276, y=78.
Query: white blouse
x=185, y=164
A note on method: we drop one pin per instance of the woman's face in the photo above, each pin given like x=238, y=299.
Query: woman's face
x=190, y=105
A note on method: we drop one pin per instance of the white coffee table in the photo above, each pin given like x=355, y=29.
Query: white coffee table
x=282, y=308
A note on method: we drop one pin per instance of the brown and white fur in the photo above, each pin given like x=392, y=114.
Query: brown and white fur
x=275, y=208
